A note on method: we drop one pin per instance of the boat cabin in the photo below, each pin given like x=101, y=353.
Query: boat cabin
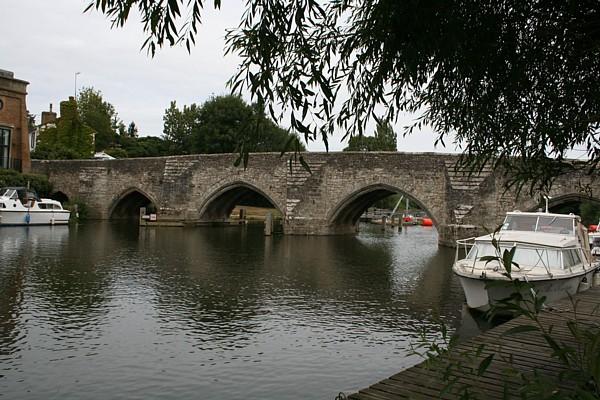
x=530, y=255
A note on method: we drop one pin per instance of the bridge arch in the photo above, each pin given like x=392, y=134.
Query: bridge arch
x=129, y=202
x=344, y=216
x=571, y=198
x=60, y=196
x=219, y=204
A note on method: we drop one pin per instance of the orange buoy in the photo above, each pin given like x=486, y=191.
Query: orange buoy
x=593, y=228
x=427, y=222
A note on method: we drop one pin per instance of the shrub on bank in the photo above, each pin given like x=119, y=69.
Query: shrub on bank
x=79, y=209
x=39, y=183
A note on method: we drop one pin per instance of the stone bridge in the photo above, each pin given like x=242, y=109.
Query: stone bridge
x=205, y=188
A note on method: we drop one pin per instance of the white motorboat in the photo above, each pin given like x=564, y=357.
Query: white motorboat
x=552, y=253
x=22, y=206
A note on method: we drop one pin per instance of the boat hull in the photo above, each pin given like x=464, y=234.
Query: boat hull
x=480, y=298
x=34, y=217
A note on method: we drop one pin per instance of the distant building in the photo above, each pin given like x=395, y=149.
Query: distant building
x=48, y=121
x=14, y=128
x=63, y=136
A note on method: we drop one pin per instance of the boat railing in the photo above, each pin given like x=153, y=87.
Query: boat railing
x=464, y=245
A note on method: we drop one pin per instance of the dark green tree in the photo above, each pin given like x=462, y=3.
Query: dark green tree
x=513, y=83
x=383, y=140
x=223, y=124
x=589, y=212
x=70, y=139
x=132, y=130
x=100, y=115
x=178, y=127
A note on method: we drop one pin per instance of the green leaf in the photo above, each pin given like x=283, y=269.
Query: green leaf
x=305, y=164
x=287, y=145
x=484, y=364
x=238, y=160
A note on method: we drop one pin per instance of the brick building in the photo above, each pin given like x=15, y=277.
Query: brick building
x=14, y=129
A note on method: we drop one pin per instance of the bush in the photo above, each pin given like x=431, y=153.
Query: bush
x=39, y=183
x=81, y=207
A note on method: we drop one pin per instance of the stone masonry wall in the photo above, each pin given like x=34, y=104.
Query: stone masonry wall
x=461, y=205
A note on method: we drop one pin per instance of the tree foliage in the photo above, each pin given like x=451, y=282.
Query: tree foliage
x=223, y=124
x=146, y=146
x=100, y=115
x=178, y=127
x=513, y=83
x=71, y=138
x=39, y=183
x=383, y=140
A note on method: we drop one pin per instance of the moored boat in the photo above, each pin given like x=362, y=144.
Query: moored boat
x=22, y=206
x=551, y=253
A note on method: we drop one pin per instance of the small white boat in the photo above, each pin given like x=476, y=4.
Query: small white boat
x=594, y=236
x=552, y=253
x=22, y=206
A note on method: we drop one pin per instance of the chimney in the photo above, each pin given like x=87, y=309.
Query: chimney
x=48, y=117
x=68, y=109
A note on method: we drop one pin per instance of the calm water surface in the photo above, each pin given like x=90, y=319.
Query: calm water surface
x=102, y=311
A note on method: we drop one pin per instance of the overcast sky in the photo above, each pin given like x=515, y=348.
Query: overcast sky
x=46, y=42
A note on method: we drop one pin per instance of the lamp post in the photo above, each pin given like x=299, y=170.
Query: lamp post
x=76, y=73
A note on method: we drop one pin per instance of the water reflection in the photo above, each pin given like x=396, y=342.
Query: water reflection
x=169, y=313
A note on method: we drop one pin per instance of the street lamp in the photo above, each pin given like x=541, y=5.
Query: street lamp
x=76, y=73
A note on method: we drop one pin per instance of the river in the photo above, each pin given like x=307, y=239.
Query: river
x=111, y=311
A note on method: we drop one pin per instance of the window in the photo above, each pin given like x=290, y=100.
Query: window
x=524, y=256
x=4, y=147
x=532, y=223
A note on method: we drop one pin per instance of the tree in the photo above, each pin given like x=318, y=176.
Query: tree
x=132, y=130
x=383, y=140
x=514, y=81
x=100, y=115
x=178, y=126
x=589, y=212
x=70, y=139
x=223, y=124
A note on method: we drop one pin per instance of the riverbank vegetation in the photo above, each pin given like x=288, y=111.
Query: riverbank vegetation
x=39, y=183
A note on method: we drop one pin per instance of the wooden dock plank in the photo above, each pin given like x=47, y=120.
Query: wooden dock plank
x=528, y=351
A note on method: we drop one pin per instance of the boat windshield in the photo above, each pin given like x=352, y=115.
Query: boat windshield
x=530, y=256
x=540, y=223
x=10, y=193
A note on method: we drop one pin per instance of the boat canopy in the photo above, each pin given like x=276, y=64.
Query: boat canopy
x=21, y=193
x=536, y=222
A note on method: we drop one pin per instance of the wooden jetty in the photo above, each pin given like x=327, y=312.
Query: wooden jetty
x=524, y=352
